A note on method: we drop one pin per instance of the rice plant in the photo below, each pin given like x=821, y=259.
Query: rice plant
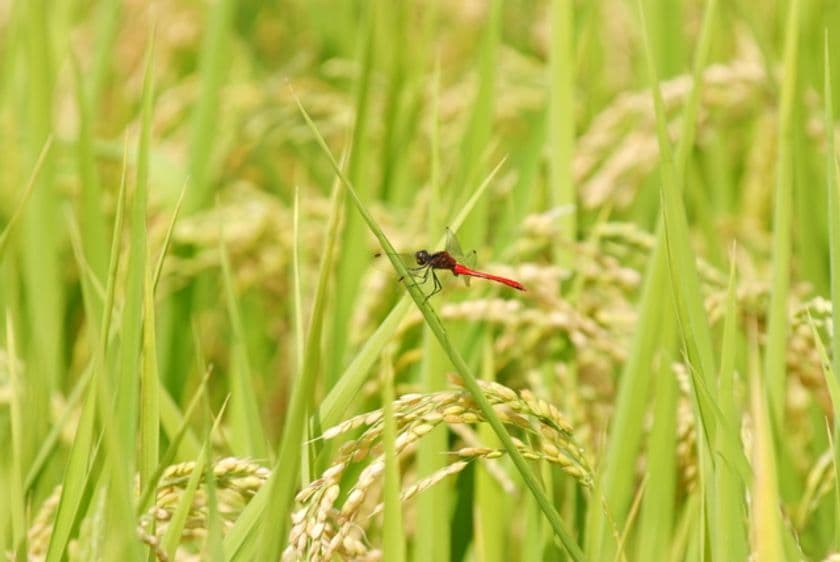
x=211, y=349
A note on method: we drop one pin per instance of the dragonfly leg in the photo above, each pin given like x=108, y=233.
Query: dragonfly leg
x=420, y=276
x=437, y=288
x=417, y=272
x=426, y=274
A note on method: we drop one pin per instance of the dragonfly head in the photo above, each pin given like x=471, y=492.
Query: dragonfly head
x=422, y=257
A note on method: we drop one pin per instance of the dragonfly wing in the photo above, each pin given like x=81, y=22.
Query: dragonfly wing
x=452, y=245
x=469, y=260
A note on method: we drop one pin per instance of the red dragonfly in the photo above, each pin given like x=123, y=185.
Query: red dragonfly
x=453, y=259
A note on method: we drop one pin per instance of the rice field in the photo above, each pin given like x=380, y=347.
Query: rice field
x=203, y=358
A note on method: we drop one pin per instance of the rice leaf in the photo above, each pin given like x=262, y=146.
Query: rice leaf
x=657, y=506
x=167, y=239
x=126, y=382
x=490, y=497
x=107, y=26
x=686, y=286
x=16, y=409
x=561, y=117
x=92, y=217
x=297, y=298
x=832, y=186
x=27, y=192
x=40, y=246
x=765, y=522
x=176, y=439
x=117, y=394
x=728, y=509
x=77, y=473
x=352, y=255
x=681, y=262
x=284, y=476
x=626, y=431
x=248, y=437
x=149, y=386
x=75, y=482
x=393, y=547
x=432, y=537
x=777, y=323
x=476, y=136
x=214, y=61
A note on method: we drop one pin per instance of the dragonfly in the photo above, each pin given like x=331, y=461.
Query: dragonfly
x=428, y=264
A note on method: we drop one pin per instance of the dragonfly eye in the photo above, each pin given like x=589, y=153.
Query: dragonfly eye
x=422, y=257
